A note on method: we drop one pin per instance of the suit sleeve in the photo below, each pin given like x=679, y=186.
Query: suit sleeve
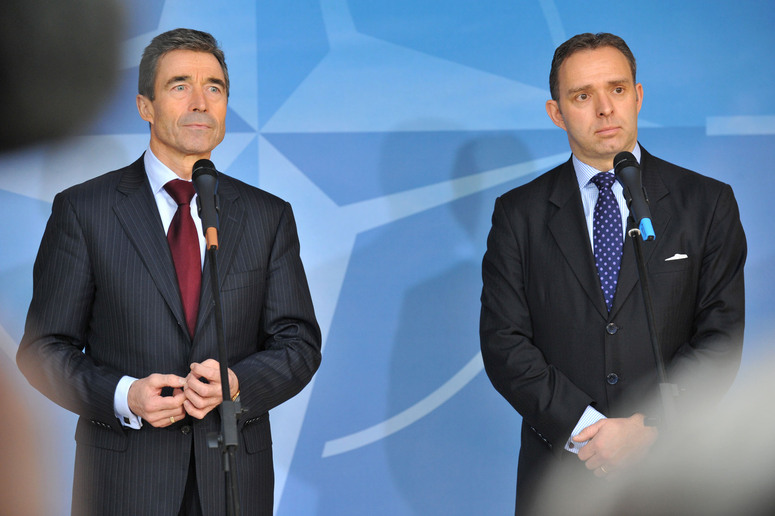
x=51, y=353
x=705, y=366
x=547, y=400
x=291, y=338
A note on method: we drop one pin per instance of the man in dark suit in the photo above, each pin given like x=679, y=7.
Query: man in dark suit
x=116, y=334
x=563, y=326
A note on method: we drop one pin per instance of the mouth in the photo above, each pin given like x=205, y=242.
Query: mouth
x=197, y=122
x=197, y=127
x=607, y=131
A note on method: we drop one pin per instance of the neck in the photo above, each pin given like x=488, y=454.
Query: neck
x=181, y=164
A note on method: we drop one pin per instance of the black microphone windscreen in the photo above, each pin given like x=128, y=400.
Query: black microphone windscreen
x=204, y=166
x=205, y=179
x=624, y=158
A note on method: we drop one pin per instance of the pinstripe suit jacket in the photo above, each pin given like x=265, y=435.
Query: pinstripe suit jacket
x=106, y=304
x=549, y=344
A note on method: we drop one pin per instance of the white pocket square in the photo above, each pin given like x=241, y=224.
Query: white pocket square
x=677, y=256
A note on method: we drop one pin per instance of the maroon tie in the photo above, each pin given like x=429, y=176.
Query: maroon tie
x=184, y=245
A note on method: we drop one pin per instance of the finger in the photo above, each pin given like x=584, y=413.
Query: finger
x=167, y=403
x=174, y=381
x=198, y=413
x=195, y=399
x=192, y=411
x=157, y=422
x=202, y=388
x=209, y=369
x=589, y=432
x=163, y=422
x=164, y=419
x=167, y=418
x=594, y=463
x=211, y=363
x=159, y=413
x=233, y=382
x=586, y=453
x=157, y=380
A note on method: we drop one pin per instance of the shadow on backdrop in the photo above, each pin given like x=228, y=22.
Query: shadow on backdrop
x=437, y=333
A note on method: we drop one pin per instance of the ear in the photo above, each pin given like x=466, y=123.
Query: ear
x=553, y=110
x=145, y=108
x=639, y=92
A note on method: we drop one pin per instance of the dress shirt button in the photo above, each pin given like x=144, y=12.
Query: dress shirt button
x=612, y=378
x=185, y=429
x=611, y=329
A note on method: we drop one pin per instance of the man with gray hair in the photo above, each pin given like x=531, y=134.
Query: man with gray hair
x=121, y=328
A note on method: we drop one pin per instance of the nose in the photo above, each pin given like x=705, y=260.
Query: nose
x=604, y=106
x=198, y=101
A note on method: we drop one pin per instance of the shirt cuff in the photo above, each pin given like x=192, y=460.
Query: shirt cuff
x=121, y=404
x=589, y=417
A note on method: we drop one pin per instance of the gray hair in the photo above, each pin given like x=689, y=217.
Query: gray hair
x=176, y=39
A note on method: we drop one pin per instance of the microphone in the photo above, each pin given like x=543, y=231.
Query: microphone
x=627, y=171
x=205, y=179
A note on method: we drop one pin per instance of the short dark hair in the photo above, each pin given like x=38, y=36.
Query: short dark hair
x=176, y=39
x=586, y=41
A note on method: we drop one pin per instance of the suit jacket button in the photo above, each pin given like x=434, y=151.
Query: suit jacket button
x=611, y=329
x=612, y=378
x=185, y=429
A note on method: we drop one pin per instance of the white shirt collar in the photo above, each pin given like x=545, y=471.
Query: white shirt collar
x=159, y=174
x=586, y=172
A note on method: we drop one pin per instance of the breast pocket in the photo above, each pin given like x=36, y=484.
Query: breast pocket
x=673, y=285
x=674, y=263
x=243, y=279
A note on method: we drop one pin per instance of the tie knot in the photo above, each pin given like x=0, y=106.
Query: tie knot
x=181, y=191
x=603, y=180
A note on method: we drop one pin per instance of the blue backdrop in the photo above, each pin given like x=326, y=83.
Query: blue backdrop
x=391, y=126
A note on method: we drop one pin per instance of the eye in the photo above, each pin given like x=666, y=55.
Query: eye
x=619, y=89
x=582, y=96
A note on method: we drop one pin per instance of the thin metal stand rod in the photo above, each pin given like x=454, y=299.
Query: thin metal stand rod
x=667, y=391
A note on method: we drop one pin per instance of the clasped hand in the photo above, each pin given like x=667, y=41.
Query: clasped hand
x=196, y=394
x=615, y=444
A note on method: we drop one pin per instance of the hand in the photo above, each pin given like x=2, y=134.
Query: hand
x=145, y=399
x=203, y=396
x=615, y=444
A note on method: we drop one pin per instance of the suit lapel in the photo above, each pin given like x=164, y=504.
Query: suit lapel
x=660, y=218
x=569, y=230
x=138, y=214
x=231, y=227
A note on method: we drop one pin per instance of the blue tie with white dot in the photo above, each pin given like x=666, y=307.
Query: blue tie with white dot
x=607, y=235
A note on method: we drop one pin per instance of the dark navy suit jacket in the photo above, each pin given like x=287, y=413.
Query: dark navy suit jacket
x=106, y=304
x=549, y=345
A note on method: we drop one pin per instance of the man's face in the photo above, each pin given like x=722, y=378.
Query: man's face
x=189, y=110
x=598, y=105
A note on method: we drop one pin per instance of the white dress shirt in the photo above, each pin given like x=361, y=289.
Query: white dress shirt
x=158, y=176
x=589, y=195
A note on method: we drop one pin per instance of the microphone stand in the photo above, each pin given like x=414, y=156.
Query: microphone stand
x=667, y=391
x=227, y=440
